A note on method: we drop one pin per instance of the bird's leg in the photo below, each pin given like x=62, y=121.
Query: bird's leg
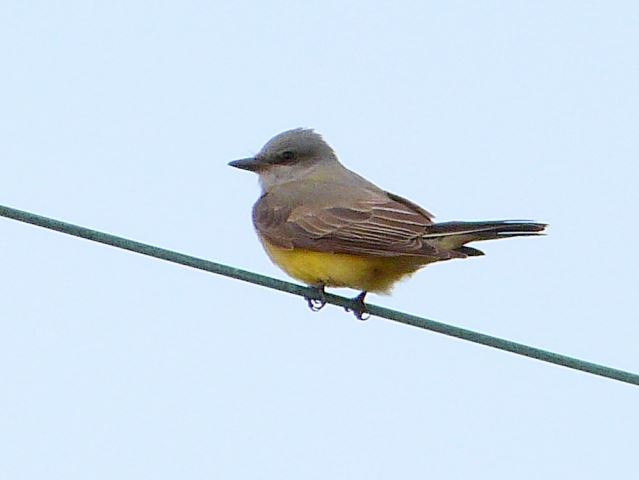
x=360, y=311
x=317, y=302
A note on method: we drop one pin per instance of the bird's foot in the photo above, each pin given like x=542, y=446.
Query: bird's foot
x=317, y=302
x=360, y=311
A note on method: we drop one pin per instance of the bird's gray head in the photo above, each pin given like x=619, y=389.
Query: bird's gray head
x=288, y=156
x=299, y=145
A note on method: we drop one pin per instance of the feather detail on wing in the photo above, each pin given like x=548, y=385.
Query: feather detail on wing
x=386, y=226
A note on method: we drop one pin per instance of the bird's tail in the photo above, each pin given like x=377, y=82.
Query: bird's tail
x=453, y=236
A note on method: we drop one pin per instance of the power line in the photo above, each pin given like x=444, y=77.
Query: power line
x=213, y=267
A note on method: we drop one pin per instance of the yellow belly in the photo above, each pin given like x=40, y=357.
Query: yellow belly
x=370, y=274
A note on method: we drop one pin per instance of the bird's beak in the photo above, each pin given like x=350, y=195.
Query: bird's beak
x=251, y=164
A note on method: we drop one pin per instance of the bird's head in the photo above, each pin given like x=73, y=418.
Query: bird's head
x=288, y=156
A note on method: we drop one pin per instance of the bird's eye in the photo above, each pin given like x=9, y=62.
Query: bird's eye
x=288, y=155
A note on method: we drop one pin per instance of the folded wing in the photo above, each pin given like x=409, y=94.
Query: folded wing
x=383, y=225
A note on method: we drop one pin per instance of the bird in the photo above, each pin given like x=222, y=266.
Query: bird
x=327, y=226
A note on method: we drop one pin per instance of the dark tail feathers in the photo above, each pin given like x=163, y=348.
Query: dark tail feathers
x=454, y=235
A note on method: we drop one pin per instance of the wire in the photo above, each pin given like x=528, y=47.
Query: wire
x=255, y=278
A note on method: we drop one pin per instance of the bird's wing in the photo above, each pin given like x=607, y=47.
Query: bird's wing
x=379, y=225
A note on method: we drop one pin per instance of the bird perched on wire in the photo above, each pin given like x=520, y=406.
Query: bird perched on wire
x=329, y=227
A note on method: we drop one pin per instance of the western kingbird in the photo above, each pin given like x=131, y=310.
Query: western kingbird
x=329, y=227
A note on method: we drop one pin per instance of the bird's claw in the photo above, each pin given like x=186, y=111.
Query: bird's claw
x=360, y=314
x=315, y=304
x=360, y=311
x=318, y=302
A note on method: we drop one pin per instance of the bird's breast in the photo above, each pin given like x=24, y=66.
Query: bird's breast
x=365, y=273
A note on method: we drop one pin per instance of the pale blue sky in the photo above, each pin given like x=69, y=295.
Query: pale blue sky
x=121, y=116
